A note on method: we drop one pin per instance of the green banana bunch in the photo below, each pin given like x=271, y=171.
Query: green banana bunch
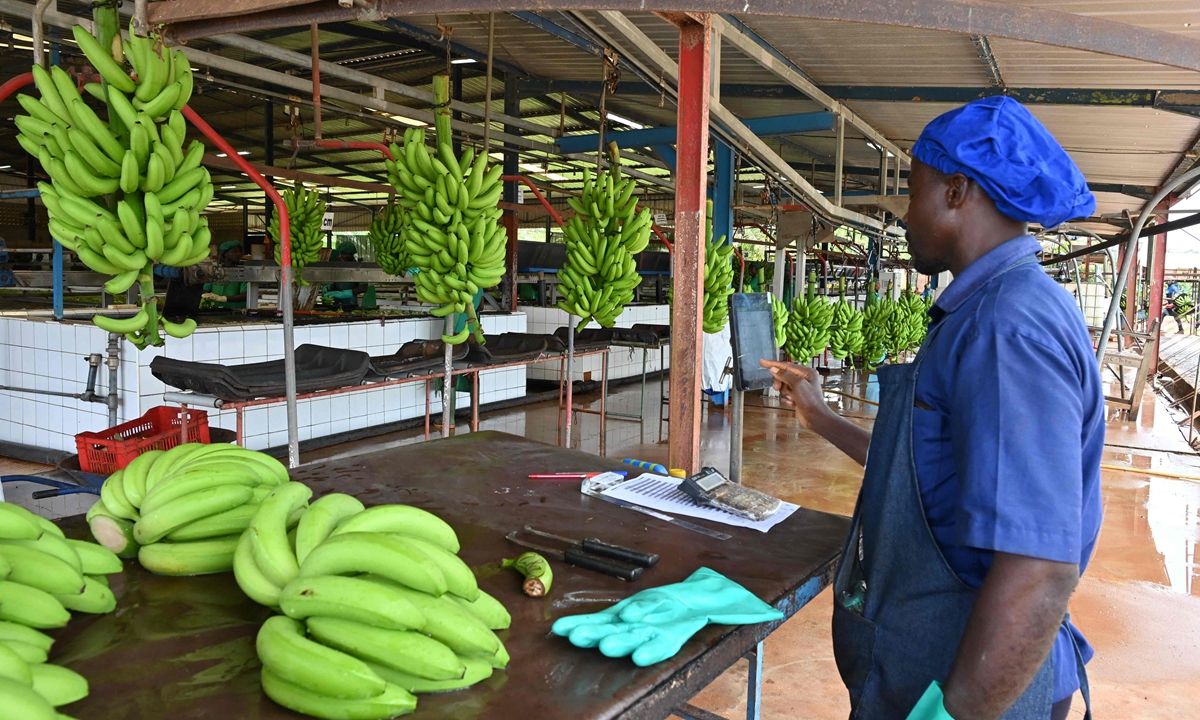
x=387, y=237
x=452, y=232
x=718, y=278
x=808, y=325
x=44, y=576
x=126, y=194
x=847, y=336
x=896, y=329
x=779, y=314
x=306, y=211
x=182, y=511
x=1183, y=305
x=600, y=274
x=875, y=330
x=376, y=606
x=915, y=318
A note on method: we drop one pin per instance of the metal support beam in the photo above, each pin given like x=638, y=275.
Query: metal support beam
x=984, y=48
x=839, y=161
x=763, y=127
x=688, y=279
x=722, y=192
x=512, y=166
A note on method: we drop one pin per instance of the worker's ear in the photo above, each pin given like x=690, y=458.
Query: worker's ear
x=958, y=188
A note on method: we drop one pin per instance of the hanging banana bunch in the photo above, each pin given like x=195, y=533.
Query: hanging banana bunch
x=875, y=322
x=126, y=194
x=598, y=279
x=718, y=278
x=916, y=318
x=846, y=338
x=808, y=327
x=453, y=234
x=387, y=237
x=779, y=314
x=306, y=212
x=896, y=335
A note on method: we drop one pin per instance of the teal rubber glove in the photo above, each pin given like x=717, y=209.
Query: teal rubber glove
x=340, y=294
x=930, y=706
x=654, y=624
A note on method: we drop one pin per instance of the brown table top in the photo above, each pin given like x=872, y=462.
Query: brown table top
x=183, y=648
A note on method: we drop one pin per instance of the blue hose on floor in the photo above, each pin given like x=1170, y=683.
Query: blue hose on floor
x=59, y=487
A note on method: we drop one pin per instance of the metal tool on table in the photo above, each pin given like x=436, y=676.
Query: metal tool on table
x=594, y=487
x=597, y=546
x=578, y=558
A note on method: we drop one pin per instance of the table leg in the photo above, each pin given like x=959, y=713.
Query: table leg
x=427, y=410
x=603, y=400
x=642, y=406
x=240, y=427
x=562, y=364
x=754, y=683
x=475, y=401
x=183, y=424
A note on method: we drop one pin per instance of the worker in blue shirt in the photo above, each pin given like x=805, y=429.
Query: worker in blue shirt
x=980, y=503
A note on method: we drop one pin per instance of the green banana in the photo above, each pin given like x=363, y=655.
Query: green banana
x=392, y=702
x=406, y=520
x=21, y=701
x=58, y=685
x=201, y=557
x=40, y=570
x=351, y=598
x=96, y=598
x=95, y=559
x=390, y=556
x=322, y=517
x=27, y=635
x=29, y=606
x=477, y=671
x=403, y=650
x=286, y=652
x=447, y=622
x=161, y=521
x=102, y=60
x=268, y=532
x=250, y=578
x=13, y=666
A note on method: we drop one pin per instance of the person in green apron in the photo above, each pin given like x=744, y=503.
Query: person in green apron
x=345, y=295
x=230, y=295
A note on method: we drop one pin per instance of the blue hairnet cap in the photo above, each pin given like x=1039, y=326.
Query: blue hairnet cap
x=999, y=144
x=228, y=245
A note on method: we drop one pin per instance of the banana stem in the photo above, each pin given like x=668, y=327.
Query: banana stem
x=441, y=104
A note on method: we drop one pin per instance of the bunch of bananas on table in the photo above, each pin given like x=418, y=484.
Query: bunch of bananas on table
x=914, y=314
x=387, y=233
x=376, y=606
x=779, y=314
x=598, y=279
x=43, y=576
x=808, y=326
x=718, y=278
x=876, y=319
x=127, y=194
x=306, y=212
x=181, y=511
x=454, y=236
x=847, y=337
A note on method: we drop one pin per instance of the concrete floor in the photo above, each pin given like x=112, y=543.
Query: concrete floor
x=1139, y=603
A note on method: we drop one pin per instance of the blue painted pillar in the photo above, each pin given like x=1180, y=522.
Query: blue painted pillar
x=58, y=250
x=722, y=193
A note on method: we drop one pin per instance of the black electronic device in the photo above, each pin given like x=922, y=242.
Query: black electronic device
x=710, y=487
x=752, y=337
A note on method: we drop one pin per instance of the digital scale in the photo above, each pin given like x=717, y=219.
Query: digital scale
x=710, y=487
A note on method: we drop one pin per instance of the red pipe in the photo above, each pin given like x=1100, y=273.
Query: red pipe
x=14, y=85
x=355, y=145
x=665, y=241
x=285, y=231
x=538, y=193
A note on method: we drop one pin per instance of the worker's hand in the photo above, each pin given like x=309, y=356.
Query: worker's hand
x=214, y=297
x=801, y=388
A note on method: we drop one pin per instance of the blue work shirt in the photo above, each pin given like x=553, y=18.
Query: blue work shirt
x=1008, y=428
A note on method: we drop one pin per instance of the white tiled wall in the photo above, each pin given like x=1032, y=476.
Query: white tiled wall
x=48, y=355
x=622, y=362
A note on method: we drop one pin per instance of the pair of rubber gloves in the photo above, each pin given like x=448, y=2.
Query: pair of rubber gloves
x=339, y=294
x=653, y=625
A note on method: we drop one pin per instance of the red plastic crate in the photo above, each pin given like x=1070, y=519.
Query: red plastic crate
x=111, y=450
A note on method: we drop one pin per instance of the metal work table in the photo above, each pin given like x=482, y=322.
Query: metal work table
x=183, y=648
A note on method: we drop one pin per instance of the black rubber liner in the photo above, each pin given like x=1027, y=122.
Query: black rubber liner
x=595, y=338
x=514, y=347
x=662, y=332
x=317, y=368
x=416, y=357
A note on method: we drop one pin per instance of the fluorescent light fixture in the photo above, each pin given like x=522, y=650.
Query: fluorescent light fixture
x=243, y=152
x=462, y=61
x=5, y=167
x=625, y=121
x=222, y=155
x=758, y=187
x=227, y=187
x=876, y=148
x=408, y=121
x=555, y=177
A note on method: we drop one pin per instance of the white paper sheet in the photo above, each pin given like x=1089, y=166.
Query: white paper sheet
x=662, y=493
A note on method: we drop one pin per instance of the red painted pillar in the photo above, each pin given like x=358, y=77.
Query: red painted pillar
x=691, y=182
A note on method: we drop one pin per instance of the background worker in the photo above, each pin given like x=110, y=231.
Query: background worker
x=229, y=295
x=345, y=295
x=980, y=504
